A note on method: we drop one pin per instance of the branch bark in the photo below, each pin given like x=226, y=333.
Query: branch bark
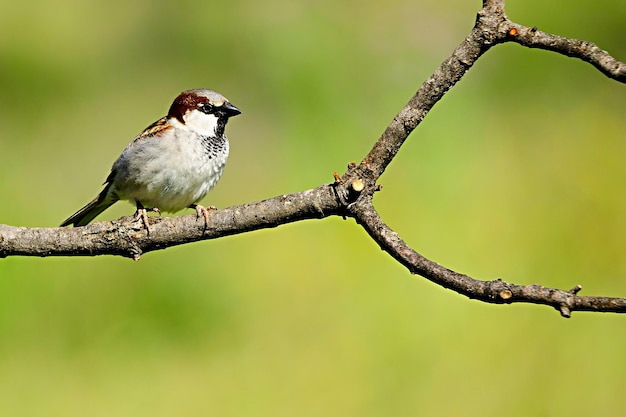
x=351, y=194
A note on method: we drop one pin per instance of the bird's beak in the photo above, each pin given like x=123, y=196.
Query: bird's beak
x=229, y=110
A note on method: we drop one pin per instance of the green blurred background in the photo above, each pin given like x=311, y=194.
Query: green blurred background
x=518, y=173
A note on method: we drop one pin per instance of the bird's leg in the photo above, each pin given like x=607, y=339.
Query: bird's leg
x=204, y=211
x=142, y=214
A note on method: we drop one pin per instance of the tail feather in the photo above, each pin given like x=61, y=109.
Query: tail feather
x=92, y=209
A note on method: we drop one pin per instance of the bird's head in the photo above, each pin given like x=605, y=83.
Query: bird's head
x=203, y=111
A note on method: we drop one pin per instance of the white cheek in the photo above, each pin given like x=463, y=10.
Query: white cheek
x=202, y=123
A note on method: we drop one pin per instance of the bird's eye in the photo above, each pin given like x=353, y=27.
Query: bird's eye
x=207, y=108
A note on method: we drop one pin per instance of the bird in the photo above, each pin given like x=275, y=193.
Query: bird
x=172, y=164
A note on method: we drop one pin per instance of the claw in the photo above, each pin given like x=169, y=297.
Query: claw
x=142, y=214
x=204, y=211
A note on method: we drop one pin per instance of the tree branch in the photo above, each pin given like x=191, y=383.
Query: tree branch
x=574, y=48
x=351, y=194
x=127, y=237
x=495, y=292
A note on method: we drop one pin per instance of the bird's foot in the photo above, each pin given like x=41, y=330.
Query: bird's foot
x=142, y=214
x=204, y=211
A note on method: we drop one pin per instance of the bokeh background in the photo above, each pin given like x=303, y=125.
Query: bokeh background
x=519, y=173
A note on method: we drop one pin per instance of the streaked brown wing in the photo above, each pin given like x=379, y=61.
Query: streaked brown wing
x=155, y=129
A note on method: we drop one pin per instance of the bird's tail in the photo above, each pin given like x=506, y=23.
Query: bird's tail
x=89, y=212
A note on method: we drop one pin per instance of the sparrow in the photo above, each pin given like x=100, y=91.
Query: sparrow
x=172, y=164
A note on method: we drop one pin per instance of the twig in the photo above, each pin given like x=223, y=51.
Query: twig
x=495, y=291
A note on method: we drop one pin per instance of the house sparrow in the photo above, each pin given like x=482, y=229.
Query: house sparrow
x=173, y=163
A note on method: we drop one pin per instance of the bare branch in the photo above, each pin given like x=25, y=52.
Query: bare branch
x=482, y=37
x=127, y=237
x=492, y=27
x=495, y=292
x=574, y=48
